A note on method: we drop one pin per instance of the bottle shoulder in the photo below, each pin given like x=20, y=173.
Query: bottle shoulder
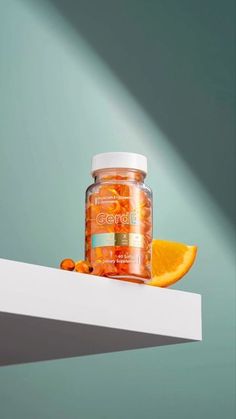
x=94, y=187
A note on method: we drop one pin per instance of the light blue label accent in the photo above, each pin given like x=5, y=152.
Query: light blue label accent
x=104, y=239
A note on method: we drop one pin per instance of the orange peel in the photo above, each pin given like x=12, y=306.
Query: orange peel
x=170, y=262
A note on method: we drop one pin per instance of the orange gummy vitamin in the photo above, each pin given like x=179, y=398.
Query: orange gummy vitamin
x=83, y=266
x=67, y=264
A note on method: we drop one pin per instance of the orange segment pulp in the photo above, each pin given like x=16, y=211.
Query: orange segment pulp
x=170, y=262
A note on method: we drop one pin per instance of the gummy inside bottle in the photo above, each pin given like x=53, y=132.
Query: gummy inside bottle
x=118, y=232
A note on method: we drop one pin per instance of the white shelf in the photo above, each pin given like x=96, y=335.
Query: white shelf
x=48, y=313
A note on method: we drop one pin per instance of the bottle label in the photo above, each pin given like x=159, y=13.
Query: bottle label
x=117, y=239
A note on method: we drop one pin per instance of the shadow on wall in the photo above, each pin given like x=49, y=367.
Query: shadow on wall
x=177, y=59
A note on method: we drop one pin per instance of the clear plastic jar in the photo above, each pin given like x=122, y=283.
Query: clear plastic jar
x=118, y=234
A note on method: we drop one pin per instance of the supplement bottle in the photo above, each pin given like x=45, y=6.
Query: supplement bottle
x=118, y=233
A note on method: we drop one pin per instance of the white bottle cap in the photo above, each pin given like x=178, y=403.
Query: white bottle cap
x=119, y=160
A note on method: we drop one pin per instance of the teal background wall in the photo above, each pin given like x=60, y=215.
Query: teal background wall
x=81, y=77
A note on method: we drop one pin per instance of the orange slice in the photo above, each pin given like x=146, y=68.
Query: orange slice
x=170, y=262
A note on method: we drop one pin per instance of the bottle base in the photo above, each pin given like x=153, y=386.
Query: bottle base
x=131, y=278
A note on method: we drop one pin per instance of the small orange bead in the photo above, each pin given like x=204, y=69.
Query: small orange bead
x=83, y=266
x=67, y=264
